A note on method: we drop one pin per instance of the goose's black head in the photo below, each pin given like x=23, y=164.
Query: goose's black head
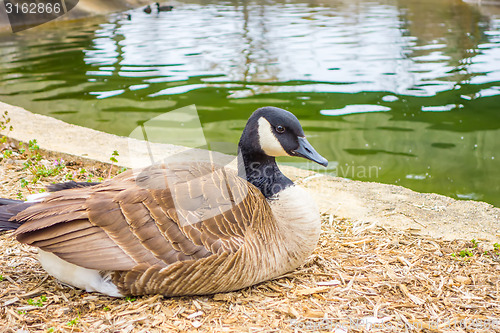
x=272, y=132
x=275, y=132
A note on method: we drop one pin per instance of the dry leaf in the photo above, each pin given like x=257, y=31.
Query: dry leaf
x=314, y=313
x=310, y=291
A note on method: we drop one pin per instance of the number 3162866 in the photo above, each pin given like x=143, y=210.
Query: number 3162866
x=33, y=8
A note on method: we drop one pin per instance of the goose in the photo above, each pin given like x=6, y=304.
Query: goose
x=209, y=230
x=163, y=8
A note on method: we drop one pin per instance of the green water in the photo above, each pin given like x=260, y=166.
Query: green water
x=398, y=92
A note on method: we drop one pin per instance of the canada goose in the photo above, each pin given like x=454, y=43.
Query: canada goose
x=147, y=9
x=210, y=230
x=163, y=8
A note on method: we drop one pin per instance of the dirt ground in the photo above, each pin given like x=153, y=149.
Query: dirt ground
x=388, y=260
x=364, y=275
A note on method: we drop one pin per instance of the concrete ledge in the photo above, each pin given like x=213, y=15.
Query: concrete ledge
x=56, y=135
x=366, y=204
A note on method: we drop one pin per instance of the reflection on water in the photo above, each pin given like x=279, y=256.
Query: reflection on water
x=408, y=88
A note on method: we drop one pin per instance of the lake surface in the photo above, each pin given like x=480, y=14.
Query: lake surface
x=398, y=92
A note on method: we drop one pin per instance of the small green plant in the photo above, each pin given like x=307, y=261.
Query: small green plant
x=21, y=312
x=465, y=253
x=89, y=178
x=4, y=123
x=113, y=160
x=33, y=146
x=1, y=277
x=72, y=322
x=50, y=330
x=36, y=167
x=32, y=153
x=496, y=247
x=130, y=299
x=7, y=153
x=106, y=308
x=38, y=302
x=39, y=168
x=474, y=243
x=24, y=183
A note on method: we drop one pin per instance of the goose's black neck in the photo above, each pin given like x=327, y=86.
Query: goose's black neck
x=262, y=171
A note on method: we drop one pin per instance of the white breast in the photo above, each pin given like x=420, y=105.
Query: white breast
x=299, y=223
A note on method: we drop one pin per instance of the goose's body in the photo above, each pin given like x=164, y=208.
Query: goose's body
x=181, y=228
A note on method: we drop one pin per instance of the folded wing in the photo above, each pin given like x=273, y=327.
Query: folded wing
x=159, y=216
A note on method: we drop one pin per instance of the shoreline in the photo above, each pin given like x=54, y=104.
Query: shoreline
x=365, y=203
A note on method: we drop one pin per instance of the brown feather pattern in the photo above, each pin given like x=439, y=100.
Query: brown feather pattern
x=180, y=229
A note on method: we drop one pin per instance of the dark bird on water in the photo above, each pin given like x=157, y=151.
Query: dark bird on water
x=163, y=8
x=147, y=9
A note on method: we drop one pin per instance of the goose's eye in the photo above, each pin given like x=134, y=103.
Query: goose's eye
x=280, y=129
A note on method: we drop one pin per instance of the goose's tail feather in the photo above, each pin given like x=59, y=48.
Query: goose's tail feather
x=68, y=185
x=4, y=201
x=8, y=209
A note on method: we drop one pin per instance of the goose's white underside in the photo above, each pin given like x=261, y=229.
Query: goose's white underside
x=36, y=197
x=87, y=279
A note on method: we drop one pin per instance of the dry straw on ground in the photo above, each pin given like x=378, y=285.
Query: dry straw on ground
x=360, y=278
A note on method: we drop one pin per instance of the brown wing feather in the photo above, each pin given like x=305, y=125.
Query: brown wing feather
x=158, y=217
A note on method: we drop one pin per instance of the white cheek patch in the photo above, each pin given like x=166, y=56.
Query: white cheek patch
x=268, y=141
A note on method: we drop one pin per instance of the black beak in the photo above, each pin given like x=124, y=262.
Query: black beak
x=307, y=151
